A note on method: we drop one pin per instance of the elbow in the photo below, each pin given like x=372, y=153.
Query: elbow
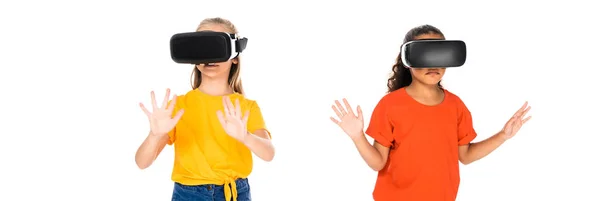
x=269, y=157
x=378, y=166
x=378, y=160
x=465, y=160
x=465, y=156
x=141, y=165
x=261, y=146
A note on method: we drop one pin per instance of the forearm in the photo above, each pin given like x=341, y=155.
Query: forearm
x=481, y=149
x=369, y=153
x=262, y=147
x=149, y=150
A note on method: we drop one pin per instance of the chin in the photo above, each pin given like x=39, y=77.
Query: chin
x=213, y=75
x=431, y=82
x=210, y=74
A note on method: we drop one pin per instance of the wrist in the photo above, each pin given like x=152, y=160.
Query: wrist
x=156, y=137
x=502, y=136
x=358, y=137
x=246, y=138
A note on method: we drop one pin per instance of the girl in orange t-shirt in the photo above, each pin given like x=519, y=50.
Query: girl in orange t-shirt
x=421, y=131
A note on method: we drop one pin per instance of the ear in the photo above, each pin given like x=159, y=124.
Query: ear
x=235, y=61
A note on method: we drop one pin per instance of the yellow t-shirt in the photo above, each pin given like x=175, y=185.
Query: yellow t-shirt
x=204, y=153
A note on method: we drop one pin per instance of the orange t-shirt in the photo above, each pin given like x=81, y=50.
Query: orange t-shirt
x=424, y=140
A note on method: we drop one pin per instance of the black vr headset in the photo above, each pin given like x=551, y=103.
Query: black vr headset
x=205, y=47
x=429, y=53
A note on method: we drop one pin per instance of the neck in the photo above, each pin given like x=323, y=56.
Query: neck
x=423, y=90
x=215, y=86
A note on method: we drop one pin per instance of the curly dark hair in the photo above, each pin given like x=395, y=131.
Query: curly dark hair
x=401, y=76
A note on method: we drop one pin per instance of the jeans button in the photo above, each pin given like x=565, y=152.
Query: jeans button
x=209, y=187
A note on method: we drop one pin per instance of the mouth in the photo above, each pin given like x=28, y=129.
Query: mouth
x=432, y=73
x=211, y=65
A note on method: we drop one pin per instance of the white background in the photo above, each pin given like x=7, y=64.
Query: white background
x=73, y=73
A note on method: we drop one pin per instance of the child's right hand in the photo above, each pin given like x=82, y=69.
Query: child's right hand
x=161, y=120
x=350, y=123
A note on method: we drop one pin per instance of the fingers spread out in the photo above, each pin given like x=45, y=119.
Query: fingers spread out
x=360, y=113
x=526, y=119
x=337, y=111
x=246, y=116
x=342, y=111
x=145, y=110
x=226, y=107
x=521, y=110
x=231, y=107
x=165, y=104
x=238, y=108
x=525, y=111
x=166, y=98
x=335, y=121
x=520, y=115
x=172, y=105
x=511, y=122
x=178, y=115
x=153, y=96
x=232, y=110
x=348, y=107
x=221, y=118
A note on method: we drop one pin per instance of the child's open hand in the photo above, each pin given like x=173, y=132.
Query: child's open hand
x=350, y=123
x=161, y=120
x=233, y=122
x=516, y=122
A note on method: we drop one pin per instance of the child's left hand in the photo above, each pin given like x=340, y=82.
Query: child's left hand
x=516, y=122
x=234, y=124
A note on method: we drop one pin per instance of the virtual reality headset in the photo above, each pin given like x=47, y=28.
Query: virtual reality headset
x=430, y=53
x=204, y=47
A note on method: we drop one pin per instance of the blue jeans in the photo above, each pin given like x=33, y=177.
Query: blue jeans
x=210, y=192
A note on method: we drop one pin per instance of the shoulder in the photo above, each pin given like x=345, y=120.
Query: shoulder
x=396, y=97
x=245, y=101
x=452, y=96
x=455, y=99
x=181, y=99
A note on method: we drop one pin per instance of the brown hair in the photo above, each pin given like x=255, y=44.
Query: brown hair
x=401, y=76
x=234, y=79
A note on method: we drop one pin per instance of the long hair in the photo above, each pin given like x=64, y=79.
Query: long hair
x=234, y=79
x=401, y=76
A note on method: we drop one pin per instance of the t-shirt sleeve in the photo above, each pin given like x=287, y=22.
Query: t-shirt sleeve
x=466, y=132
x=256, y=120
x=380, y=127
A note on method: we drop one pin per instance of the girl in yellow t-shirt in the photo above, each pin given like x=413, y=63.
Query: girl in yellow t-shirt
x=214, y=130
